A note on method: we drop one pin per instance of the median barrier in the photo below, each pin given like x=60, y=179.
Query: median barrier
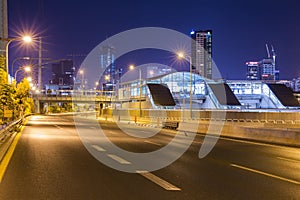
x=275, y=127
x=289, y=137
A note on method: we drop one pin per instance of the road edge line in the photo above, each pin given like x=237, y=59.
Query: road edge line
x=266, y=174
x=8, y=155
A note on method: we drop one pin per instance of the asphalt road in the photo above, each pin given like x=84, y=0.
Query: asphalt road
x=51, y=162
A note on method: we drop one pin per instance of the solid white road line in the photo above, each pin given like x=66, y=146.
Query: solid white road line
x=118, y=159
x=155, y=179
x=149, y=142
x=266, y=174
x=250, y=142
x=288, y=159
x=98, y=148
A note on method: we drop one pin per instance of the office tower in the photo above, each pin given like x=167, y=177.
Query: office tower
x=264, y=69
x=267, y=69
x=202, y=53
x=253, y=71
x=63, y=73
x=107, y=61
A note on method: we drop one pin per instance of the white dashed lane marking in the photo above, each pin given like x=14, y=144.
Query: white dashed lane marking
x=157, y=180
x=118, y=159
x=98, y=148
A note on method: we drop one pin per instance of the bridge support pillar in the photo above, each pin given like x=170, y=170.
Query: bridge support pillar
x=38, y=106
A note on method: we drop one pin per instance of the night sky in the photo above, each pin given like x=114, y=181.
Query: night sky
x=240, y=28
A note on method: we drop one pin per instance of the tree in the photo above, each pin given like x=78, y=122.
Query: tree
x=7, y=92
x=3, y=73
x=23, y=103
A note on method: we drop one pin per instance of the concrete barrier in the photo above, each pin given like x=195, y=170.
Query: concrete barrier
x=273, y=126
x=289, y=137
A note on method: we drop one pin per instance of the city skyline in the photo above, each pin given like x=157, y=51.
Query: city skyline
x=240, y=31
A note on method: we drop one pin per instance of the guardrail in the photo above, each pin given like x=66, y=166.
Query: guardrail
x=7, y=135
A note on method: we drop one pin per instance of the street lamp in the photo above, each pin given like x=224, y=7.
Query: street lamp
x=131, y=67
x=25, y=68
x=16, y=59
x=182, y=55
x=29, y=79
x=96, y=85
x=81, y=72
x=26, y=39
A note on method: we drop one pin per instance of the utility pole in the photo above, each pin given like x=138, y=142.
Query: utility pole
x=40, y=82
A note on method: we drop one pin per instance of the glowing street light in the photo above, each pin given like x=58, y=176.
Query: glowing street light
x=26, y=39
x=131, y=67
x=96, y=85
x=182, y=55
x=16, y=59
x=81, y=72
x=29, y=79
x=25, y=68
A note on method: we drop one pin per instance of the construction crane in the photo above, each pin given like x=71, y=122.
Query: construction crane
x=273, y=55
x=268, y=52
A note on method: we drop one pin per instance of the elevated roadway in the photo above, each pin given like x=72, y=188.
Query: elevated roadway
x=50, y=162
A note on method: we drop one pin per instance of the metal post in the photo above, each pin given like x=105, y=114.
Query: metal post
x=9, y=40
x=40, y=83
x=19, y=58
x=6, y=56
x=140, y=104
x=191, y=91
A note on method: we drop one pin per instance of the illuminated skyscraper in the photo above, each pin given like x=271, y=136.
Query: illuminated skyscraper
x=107, y=63
x=202, y=53
x=253, y=71
x=264, y=69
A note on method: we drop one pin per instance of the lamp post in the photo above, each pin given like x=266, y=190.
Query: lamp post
x=26, y=39
x=81, y=72
x=26, y=68
x=40, y=82
x=16, y=59
x=96, y=85
x=182, y=55
x=131, y=67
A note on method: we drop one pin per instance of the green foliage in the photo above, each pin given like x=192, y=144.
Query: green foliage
x=2, y=62
x=23, y=103
x=60, y=107
x=3, y=76
x=55, y=108
x=15, y=98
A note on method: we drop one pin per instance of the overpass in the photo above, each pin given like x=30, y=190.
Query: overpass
x=72, y=96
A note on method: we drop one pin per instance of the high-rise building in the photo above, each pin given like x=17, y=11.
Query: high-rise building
x=63, y=73
x=264, y=69
x=253, y=71
x=202, y=53
x=107, y=61
x=267, y=68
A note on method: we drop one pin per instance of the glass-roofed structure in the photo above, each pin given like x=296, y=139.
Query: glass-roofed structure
x=200, y=93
